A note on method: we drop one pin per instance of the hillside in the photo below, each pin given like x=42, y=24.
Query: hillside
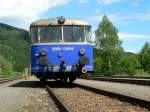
x=14, y=46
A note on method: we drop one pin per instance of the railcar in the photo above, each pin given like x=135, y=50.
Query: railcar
x=60, y=49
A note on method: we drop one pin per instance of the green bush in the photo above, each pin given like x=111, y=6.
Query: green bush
x=6, y=68
x=98, y=66
x=142, y=73
x=129, y=64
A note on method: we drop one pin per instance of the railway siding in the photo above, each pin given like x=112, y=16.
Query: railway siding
x=131, y=80
x=3, y=80
x=82, y=100
x=135, y=91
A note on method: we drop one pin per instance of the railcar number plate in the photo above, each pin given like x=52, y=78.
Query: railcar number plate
x=70, y=48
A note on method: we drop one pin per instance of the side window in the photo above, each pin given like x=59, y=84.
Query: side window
x=88, y=34
x=42, y=34
x=34, y=34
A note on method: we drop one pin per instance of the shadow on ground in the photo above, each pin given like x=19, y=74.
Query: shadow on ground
x=27, y=84
x=60, y=84
x=37, y=84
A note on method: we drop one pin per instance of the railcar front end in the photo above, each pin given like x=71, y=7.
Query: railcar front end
x=60, y=49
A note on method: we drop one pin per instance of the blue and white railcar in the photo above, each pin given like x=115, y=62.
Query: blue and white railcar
x=61, y=49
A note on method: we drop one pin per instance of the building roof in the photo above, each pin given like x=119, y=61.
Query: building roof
x=54, y=21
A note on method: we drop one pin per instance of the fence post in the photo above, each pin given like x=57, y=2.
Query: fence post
x=26, y=73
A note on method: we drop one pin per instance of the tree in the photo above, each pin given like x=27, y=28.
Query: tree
x=109, y=45
x=5, y=66
x=129, y=63
x=145, y=57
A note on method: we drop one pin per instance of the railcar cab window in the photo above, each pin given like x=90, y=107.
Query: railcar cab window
x=34, y=34
x=74, y=33
x=66, y=33
x=46, y=34
x=88, y=34
x=50, y=34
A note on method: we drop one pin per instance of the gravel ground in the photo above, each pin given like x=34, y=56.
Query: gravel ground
x=25, y=96
x=86, y=101
x=37, y=100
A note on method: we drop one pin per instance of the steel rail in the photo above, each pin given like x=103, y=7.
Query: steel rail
x=131, y=80
x=58, y=101
x=3, y=80
x=119, y=76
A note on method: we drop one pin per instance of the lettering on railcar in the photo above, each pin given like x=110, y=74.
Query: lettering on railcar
x=63, y=48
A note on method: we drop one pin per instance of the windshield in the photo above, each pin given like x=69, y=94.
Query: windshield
x=74, y=34
x=66, y=33
x=46, y=34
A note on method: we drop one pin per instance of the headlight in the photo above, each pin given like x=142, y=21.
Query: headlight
x=82, y=51
x=43, y=52
x=61, y=20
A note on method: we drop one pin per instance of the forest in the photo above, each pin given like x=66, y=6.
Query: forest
x=14, y=49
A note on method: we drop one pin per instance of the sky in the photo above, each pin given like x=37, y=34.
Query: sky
x=130, y=17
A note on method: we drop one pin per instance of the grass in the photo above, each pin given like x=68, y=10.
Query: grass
x=139, y=73
x=142, y=73
x=12, y=74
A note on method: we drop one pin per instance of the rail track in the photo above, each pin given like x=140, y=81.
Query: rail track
x=58, y=101
x=133, y=100
x=130, y=80
x=78, y=94
x=3, y=80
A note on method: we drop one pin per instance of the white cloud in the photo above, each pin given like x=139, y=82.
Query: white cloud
x=83, y=1
x=114, y=17
x=107, y=2
x=122, y=18
x=23, y=12
x=131, y=36
x=131, y=50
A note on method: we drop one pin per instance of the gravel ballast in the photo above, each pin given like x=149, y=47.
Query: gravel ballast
x=82, y=100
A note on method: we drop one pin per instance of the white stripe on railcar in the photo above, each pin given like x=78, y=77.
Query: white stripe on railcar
x=63, y=43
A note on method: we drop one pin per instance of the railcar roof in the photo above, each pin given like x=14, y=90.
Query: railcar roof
x=54, y=21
